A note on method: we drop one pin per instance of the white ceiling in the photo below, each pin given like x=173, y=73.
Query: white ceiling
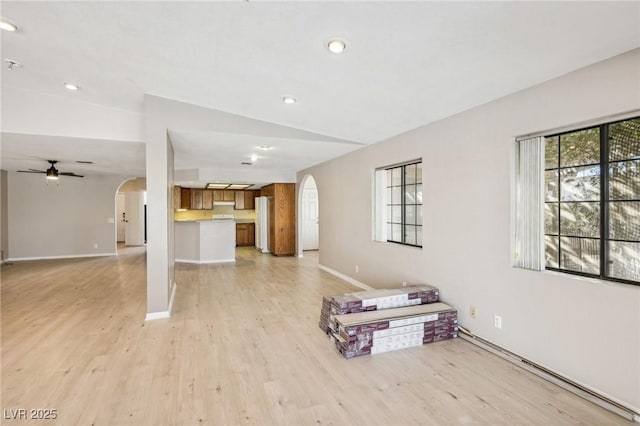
x=406, y=64
x=24, y=152
x=192, y=150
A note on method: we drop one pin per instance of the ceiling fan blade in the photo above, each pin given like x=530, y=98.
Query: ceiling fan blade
x=36, y=170
x=70, y=174
x=30, y=171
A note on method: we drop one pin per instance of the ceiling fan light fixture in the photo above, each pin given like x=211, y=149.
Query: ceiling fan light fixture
x=11, y=64
x=52, y=173
x=336, y=45
x=7, y=26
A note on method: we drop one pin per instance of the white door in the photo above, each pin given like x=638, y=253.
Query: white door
x=310, y=217
x=120, y=218
x=134, y=218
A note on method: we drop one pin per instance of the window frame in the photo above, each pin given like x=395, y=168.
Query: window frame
x=603, y=200
x=403, y=204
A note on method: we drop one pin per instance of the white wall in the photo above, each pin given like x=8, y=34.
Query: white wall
x=65, y=220
x=586, y=329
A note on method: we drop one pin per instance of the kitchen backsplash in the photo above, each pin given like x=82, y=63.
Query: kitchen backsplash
x=206, y=214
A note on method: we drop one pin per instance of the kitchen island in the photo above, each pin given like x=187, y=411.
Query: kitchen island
x=205, y=241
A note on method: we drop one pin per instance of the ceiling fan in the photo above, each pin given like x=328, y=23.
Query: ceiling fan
x=52, y=173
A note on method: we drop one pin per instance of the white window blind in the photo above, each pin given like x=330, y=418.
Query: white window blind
x=529, y=204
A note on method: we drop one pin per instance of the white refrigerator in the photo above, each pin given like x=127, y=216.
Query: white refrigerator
x=262, y=224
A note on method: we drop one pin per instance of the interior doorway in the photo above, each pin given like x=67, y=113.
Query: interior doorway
x=310, y=214
x=131, y=217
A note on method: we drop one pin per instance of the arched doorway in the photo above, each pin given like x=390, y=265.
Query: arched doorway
x=131, y=214
x=309, y=209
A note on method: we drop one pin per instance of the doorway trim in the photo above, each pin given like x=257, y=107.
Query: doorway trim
x=115, y=197
x=300, y=210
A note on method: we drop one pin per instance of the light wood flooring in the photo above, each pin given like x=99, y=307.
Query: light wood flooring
x=242, y=347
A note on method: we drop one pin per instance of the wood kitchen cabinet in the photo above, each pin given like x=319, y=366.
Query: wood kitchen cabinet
x=249, y=199
x=282, y=218
x=239, y=200
x=185, y=198
x=177, y=198
x=245, y=200
x=224, y=195
x=207, y=199
x=245, y=234
x=196, y=199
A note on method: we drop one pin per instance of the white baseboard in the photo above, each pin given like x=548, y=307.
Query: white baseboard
x=595, y=396
x=163, y=314
x=205, y=262
x=68, y=256
x=157, y=315
x=345, y=277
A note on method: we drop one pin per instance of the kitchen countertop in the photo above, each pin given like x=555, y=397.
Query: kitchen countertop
x=211, y=220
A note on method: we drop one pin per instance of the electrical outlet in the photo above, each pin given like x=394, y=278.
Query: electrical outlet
x=404, y=283
x=95, y=245
x=497, y=321
x=357, y=268
x=473, y=313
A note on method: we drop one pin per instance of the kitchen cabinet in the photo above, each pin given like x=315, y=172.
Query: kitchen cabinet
x=218, y=195
x=239, y=200
x=196, y=199
x=249, y=199
x=177, y=198
x=207, y=199
x=282, y=217
x=245, y=234
x=185, y=198
x=224, y=195
x=245, y=200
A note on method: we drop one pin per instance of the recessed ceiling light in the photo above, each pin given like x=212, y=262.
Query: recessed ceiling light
x=254, y=158
x=265, y=147
x=336, y=45
x=289, y=99
x=7, y=26
x=71, y=86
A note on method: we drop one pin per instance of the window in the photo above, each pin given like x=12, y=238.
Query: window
x=399, y=203
x=592, y=201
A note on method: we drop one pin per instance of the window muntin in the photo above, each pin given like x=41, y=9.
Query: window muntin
x=592, y=201
x=404, y=204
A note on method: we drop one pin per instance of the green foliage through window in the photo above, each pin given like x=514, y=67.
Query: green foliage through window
x=592, y=201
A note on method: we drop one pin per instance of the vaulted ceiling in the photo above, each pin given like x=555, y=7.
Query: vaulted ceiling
x=406, y=64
